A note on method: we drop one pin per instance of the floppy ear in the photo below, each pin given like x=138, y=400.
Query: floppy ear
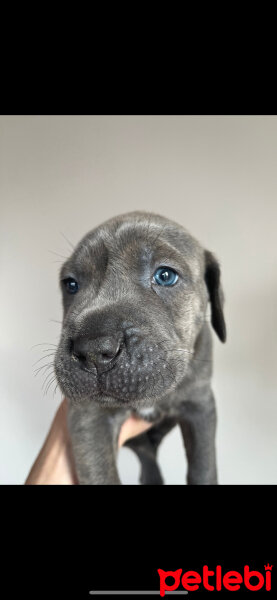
x=212, y=278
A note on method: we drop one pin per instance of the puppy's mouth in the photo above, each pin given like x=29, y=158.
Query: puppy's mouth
x=137, y=378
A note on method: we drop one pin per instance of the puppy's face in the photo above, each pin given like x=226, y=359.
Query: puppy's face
x=135, y=293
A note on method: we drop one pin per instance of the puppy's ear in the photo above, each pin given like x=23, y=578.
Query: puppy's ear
x=212, y=278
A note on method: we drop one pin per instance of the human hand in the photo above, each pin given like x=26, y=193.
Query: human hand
x=55, y=462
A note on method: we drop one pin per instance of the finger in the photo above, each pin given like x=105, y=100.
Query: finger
x=132, y=427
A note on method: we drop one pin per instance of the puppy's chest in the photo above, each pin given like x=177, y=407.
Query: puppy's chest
x=155, y=413
x=150, y=414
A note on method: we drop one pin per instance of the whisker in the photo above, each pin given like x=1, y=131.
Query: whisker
x=57, y=254
x=42, y=358
x=55, y=389
x=47, y=381
x=49, y=385
x=47, y=349
x=47, y=377
x=46, y=367
x=68, y=241
x=43, y=344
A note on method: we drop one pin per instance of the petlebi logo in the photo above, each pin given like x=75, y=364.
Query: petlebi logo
x=215, y=580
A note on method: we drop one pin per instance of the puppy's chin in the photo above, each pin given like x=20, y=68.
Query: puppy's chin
x=110, y=401
x=109, y=398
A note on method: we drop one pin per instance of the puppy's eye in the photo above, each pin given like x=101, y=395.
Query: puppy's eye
x=71, y=285
x=165, y=276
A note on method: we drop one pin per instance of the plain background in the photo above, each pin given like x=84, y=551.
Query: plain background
x=217, y=176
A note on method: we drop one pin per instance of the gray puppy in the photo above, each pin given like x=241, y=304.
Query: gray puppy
x=135, y=339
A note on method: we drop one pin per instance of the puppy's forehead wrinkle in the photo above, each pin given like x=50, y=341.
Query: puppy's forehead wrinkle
x=91, y=252
x=119, y=255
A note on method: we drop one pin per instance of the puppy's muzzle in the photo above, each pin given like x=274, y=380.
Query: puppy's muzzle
x=100, y=353
x=128, y=362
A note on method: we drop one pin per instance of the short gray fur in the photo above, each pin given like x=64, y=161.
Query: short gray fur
x=129, y=345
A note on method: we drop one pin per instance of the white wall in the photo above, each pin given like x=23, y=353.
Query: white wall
x=217, y=176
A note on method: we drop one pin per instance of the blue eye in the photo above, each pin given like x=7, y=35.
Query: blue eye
x=165, y=276
x=71, y=285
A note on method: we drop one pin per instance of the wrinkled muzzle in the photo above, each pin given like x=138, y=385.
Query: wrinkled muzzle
x=118, y=355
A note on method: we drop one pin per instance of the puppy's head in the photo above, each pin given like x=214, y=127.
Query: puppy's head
x=135, y=293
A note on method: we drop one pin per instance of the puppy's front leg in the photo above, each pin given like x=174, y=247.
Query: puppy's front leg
x=94, y=434
x=198, y=426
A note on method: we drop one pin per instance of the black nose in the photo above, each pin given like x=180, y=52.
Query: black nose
x=98, y=352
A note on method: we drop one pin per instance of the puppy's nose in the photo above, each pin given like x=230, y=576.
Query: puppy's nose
x=98, y=352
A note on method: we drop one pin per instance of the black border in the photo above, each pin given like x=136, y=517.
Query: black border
x=62, y=541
